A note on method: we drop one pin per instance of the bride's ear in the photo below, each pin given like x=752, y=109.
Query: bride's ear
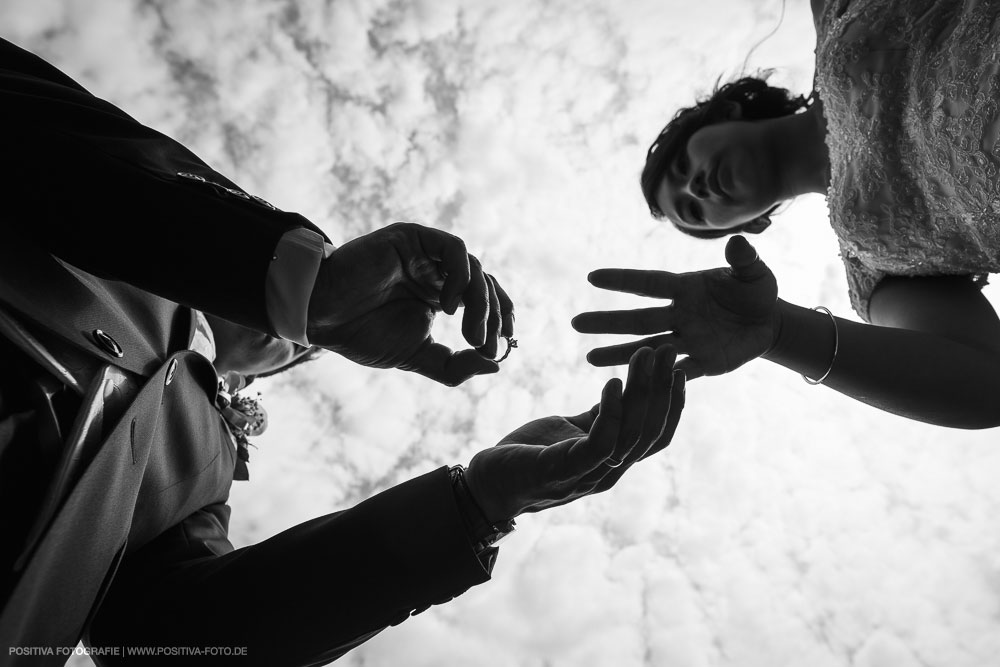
x=723, y=111
x=733, y=110
x=757, y=225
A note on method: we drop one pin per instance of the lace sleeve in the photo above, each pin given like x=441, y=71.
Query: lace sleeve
x=825, y=11
x=861, y=281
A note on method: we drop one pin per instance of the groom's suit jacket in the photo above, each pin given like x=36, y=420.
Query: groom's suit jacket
x=111, y=234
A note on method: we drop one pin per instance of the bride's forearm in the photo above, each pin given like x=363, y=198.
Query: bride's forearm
x=923, y=376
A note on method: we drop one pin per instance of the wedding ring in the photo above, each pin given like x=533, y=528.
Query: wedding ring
x=612, y=462
x=511, y=344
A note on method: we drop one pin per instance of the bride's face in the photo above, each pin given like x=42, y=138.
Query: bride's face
x=721, y=179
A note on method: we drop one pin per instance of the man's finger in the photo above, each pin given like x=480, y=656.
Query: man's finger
x=658, y=401
x=592, y=450
x=745, y=264
x=615, y=355
x=639, y=321
x=451, y=253
x=506, y=309
x=489, y=349
x=585, y=420
x=634, y=406
x=678, y=396
x=637, y=385
x=477, y=305
x=657, y=284
x=542, y=432
x=439, y=363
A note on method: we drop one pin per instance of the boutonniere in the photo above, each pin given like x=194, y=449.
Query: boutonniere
x=246, y=418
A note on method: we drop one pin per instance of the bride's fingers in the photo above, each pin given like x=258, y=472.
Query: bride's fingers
x=658, y=284
x=743, y=258
x=615, y=355
x=640, y=321
x=692, y=369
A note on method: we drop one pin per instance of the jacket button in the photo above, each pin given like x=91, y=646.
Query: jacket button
x=107, y=343
x=170, y=371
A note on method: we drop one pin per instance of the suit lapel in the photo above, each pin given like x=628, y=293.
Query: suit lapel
x=163, y=458
x=64, y=575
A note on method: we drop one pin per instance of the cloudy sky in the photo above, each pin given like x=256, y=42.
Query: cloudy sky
x=786, y=525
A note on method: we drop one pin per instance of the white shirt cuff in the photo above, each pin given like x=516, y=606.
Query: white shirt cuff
x=290, y=281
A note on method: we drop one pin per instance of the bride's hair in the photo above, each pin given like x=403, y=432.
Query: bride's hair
x=757, y=100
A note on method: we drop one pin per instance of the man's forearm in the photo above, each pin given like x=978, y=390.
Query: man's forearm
x=122, y=201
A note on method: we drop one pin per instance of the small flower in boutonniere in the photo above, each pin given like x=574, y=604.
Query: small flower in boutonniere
x=253, y=413
x=247, y=418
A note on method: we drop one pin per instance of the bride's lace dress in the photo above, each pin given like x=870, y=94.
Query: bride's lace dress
x=911, y=94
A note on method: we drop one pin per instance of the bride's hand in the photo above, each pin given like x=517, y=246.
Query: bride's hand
x=721, y=318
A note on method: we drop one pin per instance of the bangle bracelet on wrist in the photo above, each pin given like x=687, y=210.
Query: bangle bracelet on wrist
x=836, y=346
x=483, y=533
